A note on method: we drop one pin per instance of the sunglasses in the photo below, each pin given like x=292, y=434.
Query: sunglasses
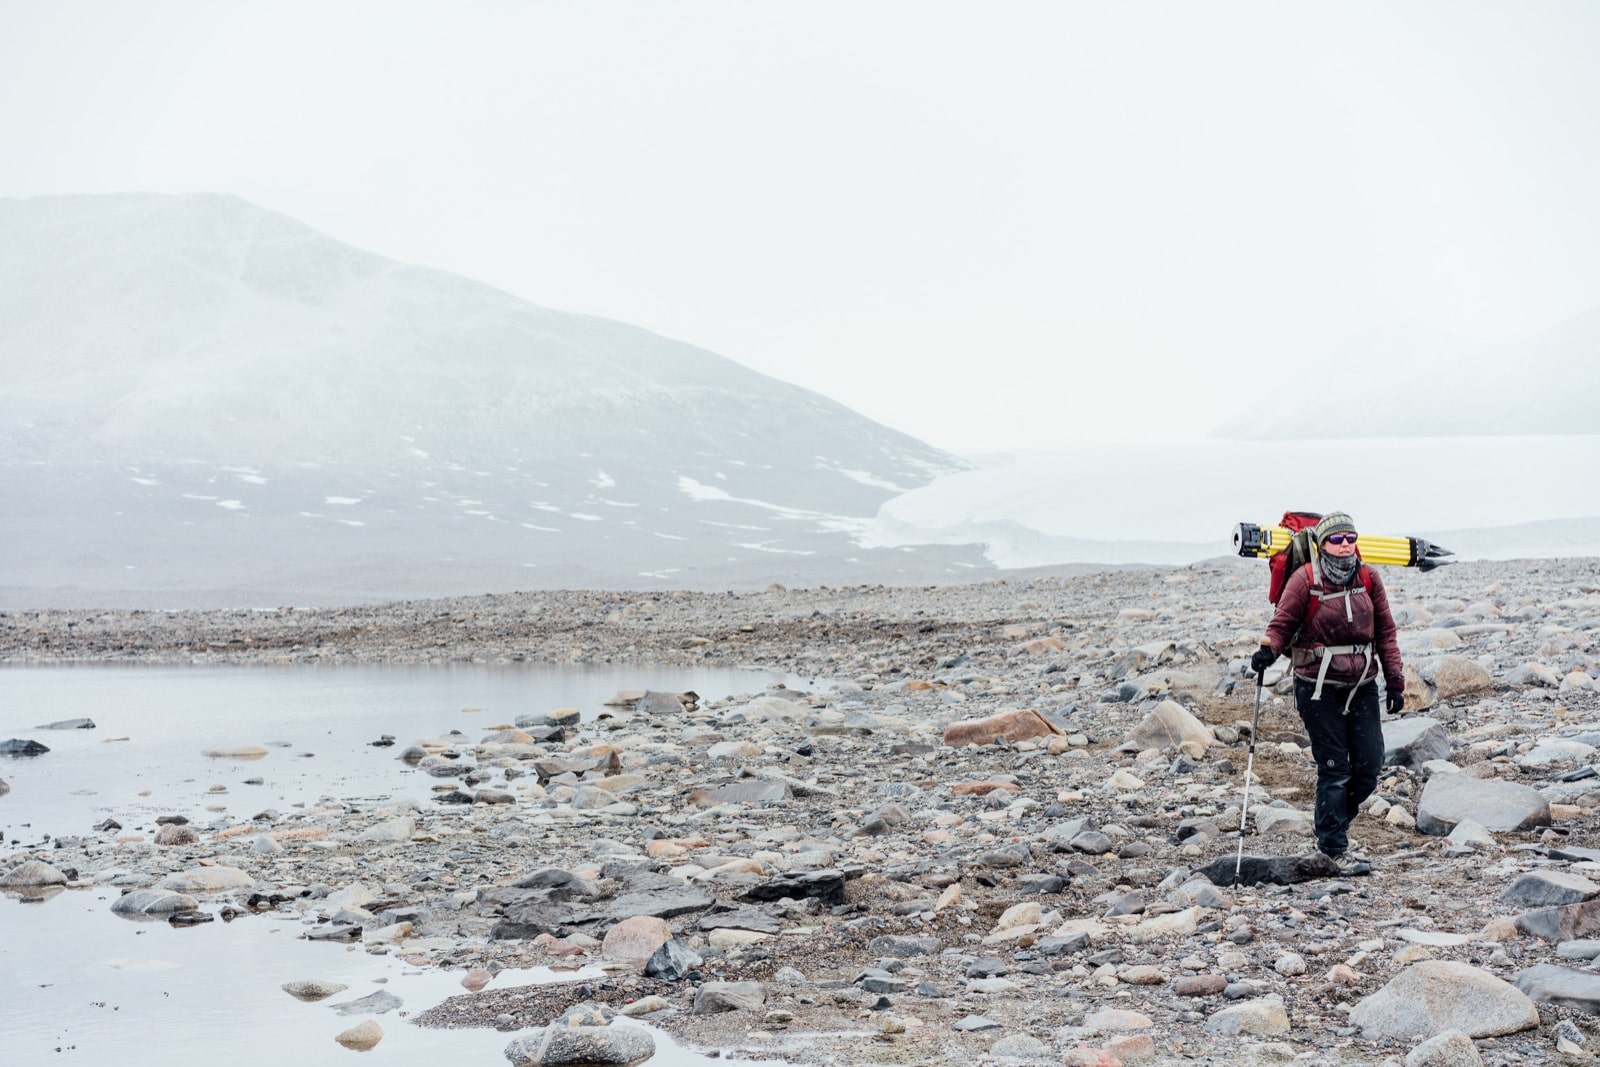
x=1340, y=539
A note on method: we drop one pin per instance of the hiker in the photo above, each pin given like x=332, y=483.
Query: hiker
x=1333, y=619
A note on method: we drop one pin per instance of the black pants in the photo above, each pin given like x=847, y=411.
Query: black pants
x=1348, y=750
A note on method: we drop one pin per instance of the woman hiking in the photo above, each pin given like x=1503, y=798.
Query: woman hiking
x=1333, y=619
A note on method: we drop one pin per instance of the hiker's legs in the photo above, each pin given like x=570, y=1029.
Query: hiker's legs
x=1364, y=741
x=1330, y=747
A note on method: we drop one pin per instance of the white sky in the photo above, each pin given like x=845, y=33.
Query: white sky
x=991, y=225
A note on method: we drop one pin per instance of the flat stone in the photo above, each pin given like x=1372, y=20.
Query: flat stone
x=1432, y=938
x=972, y=1024
x=1272, y=870
x=1013, y=726
x=1433, y=996
x=1550, y=889
x=1111, y=1020
x=715, y=997
x=1547, y=983
x=371, y=1004
x=207, y=880
x=1494, y=804
x=742, y=793
x=904, y=946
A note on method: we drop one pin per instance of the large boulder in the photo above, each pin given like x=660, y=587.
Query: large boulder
x=1433, y=996
x=207, y=880
x=31, y=873
x=1538, y=889
x=635, y=940
x=1169, y=726
x=1491, y=803
x=1454, y=676
x=715, y=997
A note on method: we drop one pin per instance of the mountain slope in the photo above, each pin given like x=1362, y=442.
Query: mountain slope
x=197, y=393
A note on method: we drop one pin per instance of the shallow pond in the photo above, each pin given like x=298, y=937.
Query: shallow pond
x=82, y=985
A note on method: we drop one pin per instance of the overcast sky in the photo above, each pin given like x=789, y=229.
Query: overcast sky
x=990, y=225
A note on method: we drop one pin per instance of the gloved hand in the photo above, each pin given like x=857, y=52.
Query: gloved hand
x=1394, y=702
x=1264, y=657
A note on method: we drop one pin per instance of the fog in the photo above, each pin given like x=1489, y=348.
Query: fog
x=991, y=227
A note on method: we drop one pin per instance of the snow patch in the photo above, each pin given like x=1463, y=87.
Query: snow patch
x=341, y=500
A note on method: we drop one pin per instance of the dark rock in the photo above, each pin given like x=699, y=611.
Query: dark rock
x=987, y=967
x=826, y=886
x=18, y=747
x=1413, y=742
x=1127, y=904
x=1041, y=884
x=1057, y=946
x=1550, y=889
x=68, y=724
x=672, y=962
x=873, y=980
x=1275, y=870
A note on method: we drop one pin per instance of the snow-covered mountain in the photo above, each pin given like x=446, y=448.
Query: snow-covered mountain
x=1404, y=381
x=207, y=401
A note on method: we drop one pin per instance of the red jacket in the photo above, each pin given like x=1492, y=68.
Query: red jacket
x=1369, y=622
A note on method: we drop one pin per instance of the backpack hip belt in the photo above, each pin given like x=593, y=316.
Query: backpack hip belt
x=1303, y=657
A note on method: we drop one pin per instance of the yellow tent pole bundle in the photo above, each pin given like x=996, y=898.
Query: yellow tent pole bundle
x=1264, y=542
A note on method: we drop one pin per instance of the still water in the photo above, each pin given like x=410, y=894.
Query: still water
x=83, y=986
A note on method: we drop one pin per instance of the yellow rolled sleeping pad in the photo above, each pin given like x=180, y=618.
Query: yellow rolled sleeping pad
x=1262, y=542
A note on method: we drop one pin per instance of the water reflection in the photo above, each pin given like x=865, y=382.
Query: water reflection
x=77, y=979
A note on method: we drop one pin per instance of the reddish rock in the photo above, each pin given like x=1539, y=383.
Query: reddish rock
x=1011, y=725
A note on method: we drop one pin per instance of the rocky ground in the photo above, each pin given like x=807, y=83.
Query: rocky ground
x=972, y=839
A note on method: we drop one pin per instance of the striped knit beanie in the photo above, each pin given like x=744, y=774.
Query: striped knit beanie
x=1332, y=523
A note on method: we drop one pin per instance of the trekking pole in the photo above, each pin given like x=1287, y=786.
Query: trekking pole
x=1249, y=765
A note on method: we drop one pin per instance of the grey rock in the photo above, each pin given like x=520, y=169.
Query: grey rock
x=1578, y=950
x=1413, y=742
x=1549, y=888
x=1494, y=804
x=31, y=873
x=153, y=902
x=1092, y=842
x=68, y=724
x=1547, y=983
x=741, y=919
x=1433, y=996
x=974, y=1023
x=672, y=962
x=1449, y=1049
x=313, y=989
x=18, y=747
x=372, y=1004
x=584, y=1046
x=1021, y=1048
x=715, y=997
x=904, y=946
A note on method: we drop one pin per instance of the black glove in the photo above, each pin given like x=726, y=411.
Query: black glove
x=1394, y=701
x=1264, y=657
